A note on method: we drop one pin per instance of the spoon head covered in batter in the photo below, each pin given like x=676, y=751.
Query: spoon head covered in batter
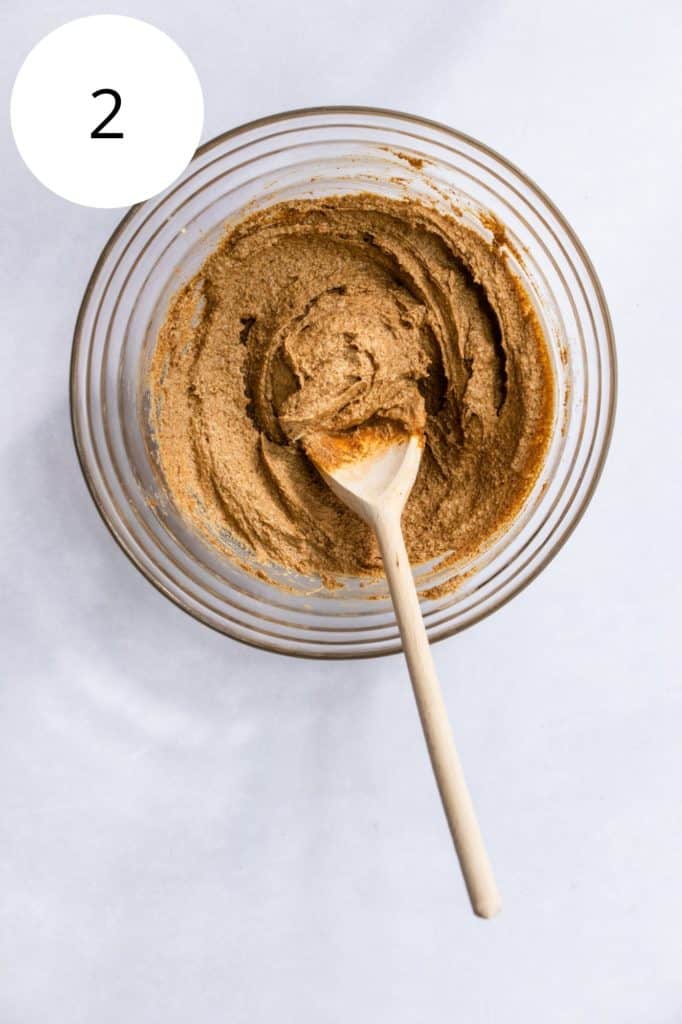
x=371, y=469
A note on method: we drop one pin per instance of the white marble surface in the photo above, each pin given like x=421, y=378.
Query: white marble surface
x=191, y=830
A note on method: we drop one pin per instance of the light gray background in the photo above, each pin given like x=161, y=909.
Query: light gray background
x=191, y=830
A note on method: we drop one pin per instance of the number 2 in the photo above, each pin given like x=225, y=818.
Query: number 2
x=97, y=133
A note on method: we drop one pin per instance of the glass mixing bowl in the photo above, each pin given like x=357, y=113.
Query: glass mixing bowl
x=161, y=243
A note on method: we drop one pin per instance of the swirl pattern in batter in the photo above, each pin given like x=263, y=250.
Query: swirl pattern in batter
x=333, y=313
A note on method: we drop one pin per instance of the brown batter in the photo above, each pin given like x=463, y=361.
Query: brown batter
x=328, y=314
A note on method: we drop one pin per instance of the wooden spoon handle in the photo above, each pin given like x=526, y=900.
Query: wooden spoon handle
x=459, y=810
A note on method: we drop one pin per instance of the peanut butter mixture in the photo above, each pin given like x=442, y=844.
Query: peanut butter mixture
x=327, y=315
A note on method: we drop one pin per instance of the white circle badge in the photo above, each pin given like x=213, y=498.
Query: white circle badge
x=107, y=111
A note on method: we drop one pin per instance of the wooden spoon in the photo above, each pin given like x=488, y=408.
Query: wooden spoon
x=372, y=471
